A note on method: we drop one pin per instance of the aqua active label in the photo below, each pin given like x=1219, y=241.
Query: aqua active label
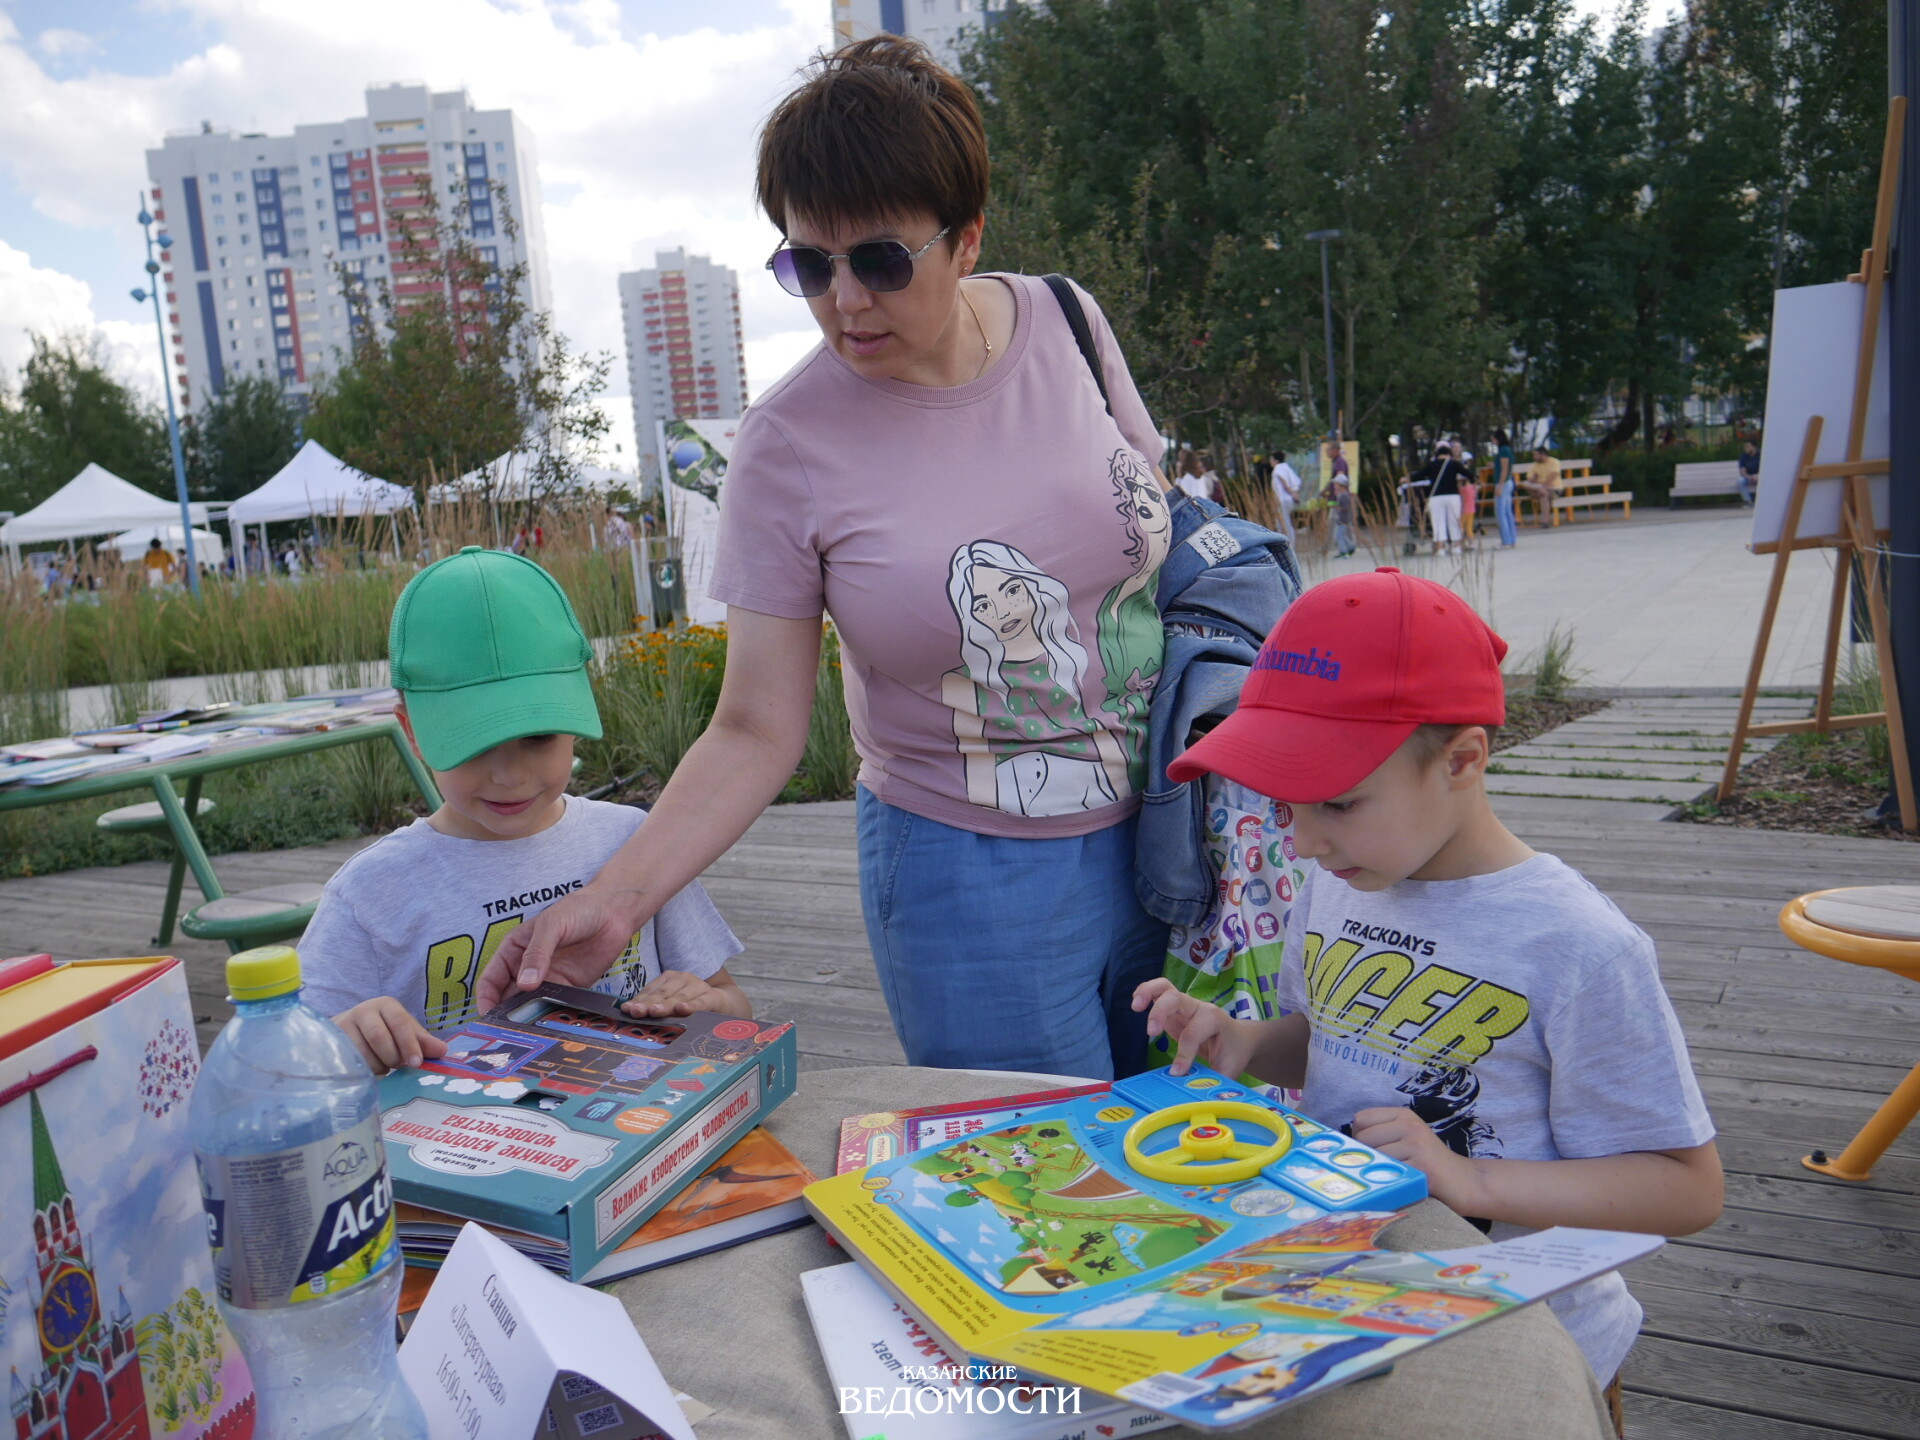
x=294, y=1225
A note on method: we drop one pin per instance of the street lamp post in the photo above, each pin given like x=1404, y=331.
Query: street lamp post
x=165, y=242
x=1326, y=304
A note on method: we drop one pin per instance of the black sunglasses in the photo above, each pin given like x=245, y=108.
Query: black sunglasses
x=879, y=265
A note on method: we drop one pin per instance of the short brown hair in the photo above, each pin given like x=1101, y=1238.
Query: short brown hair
x=877, y=130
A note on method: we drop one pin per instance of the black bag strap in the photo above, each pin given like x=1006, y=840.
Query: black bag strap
x=1082, y=332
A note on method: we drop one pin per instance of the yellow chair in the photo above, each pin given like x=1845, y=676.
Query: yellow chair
x=1877, y=925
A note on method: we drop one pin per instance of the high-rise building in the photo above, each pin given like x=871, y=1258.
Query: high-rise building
x=260, y=223
x=685, y=357
x=942, y=24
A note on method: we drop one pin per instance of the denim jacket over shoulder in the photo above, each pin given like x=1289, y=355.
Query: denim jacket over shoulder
x=1224, y=585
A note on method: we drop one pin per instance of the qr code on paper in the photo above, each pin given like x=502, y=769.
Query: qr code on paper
x=577, y=1387
x=604, y=1417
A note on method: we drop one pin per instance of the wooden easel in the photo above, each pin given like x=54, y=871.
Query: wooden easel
x=1859, y=537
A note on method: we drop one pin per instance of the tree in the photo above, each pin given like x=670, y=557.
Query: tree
x=451, y=367
x=1538, y=217
x=70, y=410
x=1186, y=213
x=240, y=439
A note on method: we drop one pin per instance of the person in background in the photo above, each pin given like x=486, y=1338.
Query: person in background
x=1544, y=485
x=1197, y=478
x=1343, y=507
x=1503, y=483
x=1442, y=475
x=1469, y=500
x=156, y=563
x=1286, y=491
x=618, y=533
x=1749, y=471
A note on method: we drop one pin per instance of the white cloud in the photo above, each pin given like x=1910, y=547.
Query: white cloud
x=34, y=298
x=61, y=43
x=645, y=141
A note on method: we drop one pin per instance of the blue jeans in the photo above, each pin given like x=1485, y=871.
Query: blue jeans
x=1002, y=954
x=1503, y=509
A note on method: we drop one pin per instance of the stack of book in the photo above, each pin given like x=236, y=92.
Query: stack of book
x=565, y=1124
x=751, y=1191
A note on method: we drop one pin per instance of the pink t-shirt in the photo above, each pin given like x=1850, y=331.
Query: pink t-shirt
x=988, y=553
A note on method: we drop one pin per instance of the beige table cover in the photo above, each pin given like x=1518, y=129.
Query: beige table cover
x=731, y=1329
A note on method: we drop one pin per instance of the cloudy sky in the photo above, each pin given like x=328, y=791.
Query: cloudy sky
x=644, y=112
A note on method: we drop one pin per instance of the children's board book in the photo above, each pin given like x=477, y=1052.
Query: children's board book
x=561, y=1116
x=752, y=1190
x=868, y=1139
x=1181, y=1243
x=870, y=1343
x=108, y=1320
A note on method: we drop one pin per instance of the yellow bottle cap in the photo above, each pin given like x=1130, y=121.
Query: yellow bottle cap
x=263, y=973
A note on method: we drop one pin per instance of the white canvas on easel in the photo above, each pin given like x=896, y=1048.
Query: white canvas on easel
x=1812, y=364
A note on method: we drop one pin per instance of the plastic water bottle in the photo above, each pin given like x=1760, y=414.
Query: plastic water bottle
x=286, y=1129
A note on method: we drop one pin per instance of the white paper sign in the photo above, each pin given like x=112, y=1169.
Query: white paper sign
x=498, y=1334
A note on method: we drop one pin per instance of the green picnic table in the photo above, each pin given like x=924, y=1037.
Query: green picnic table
x=240, y=919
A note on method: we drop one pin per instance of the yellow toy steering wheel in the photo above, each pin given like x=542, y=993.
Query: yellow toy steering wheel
x=1208, y=1152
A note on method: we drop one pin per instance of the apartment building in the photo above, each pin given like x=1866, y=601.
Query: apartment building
x=685, y=356
x=942, y=24
x=262, y=224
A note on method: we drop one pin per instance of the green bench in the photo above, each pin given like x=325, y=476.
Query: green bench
x=150, y=819
x=255, y=917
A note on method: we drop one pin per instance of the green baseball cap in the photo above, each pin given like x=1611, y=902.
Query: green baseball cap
x=485, y=649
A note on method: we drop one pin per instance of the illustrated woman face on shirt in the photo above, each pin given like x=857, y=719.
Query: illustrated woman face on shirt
x=1143, y=511
x=1005, y=605
x=1012, y=611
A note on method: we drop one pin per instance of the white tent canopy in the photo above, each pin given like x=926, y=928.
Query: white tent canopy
x=208, y=547
x=94, y=502
x=315, y=483
x=599, y=477
x=510, y=477
x=506, y=478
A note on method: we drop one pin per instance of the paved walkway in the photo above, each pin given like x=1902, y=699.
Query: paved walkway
x=1655, y=752
x=1667, y=600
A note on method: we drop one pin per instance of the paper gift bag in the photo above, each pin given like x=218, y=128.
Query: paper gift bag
x=108, y=1324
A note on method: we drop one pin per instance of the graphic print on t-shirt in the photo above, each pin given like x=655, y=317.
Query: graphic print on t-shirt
x=1023, y=732
x=454, y=966
x=1424, y=1023
x=1132, y=644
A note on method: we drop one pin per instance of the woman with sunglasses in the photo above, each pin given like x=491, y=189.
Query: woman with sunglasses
x=941, y=478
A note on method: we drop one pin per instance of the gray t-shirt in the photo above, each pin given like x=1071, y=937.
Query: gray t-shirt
x=418, y=915
x=1519, y=1014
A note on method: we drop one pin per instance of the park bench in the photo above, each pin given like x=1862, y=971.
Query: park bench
x=1707, y=477
x=1590, y=492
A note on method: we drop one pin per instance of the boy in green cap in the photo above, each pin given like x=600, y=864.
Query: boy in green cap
x=491, y=666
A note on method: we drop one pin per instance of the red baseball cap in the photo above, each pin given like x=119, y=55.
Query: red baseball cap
x=1354, y=667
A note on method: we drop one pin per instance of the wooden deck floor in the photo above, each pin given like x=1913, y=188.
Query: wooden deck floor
x=1797, y=1317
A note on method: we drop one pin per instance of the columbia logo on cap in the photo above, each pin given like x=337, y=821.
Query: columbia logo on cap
x=1292, y=662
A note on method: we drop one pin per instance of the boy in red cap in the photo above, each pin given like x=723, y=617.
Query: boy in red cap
x=1458, y=1000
